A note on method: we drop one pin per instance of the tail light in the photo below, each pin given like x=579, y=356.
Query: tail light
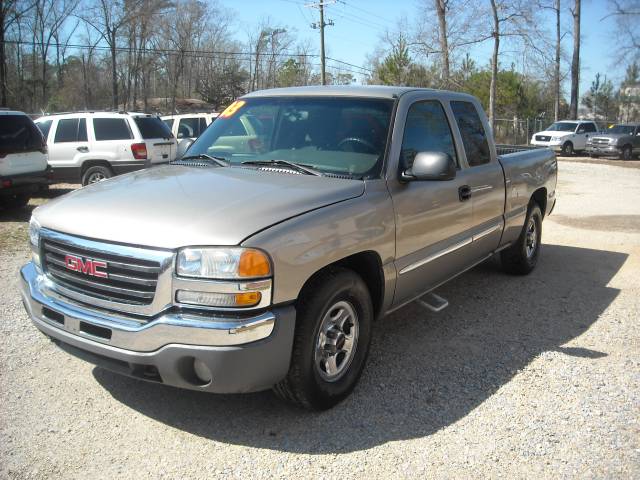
x=139, y=151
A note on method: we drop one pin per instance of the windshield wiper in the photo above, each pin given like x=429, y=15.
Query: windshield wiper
x=221, y=162
x=285, y=163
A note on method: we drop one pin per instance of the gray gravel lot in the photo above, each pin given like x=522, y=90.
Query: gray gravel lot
x=520, y=377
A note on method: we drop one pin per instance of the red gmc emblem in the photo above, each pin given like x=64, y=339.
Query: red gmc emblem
x=86, y=266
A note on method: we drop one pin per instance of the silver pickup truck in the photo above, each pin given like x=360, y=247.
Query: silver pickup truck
x=263, y=258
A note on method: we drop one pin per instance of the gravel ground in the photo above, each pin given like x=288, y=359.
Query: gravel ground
x=521, y=377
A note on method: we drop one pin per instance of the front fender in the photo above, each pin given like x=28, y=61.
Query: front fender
x=301, y=246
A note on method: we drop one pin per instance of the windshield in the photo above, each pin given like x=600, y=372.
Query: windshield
x=624, y=129
x=344, y=136
x=561, y=127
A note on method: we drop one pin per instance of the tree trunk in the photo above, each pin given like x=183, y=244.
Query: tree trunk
x=556, y=75
x=575, y=62
x=114, y=71
x=3, y=60
x=444, y=40
x=494, y=66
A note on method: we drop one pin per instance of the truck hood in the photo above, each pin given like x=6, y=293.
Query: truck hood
x=175, y=206
x=553, y=133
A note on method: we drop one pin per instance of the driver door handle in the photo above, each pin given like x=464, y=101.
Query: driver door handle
x=83, y=149
x=464, y=193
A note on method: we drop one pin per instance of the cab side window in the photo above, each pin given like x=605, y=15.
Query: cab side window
x=189, y=127
x=426, y=130
x=71, y=130
x=589, y=127
x=474, y=138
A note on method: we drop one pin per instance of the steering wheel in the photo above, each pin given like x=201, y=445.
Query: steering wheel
x=348, y=140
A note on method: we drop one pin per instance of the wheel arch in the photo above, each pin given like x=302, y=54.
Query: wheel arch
x=540, y=197
x=368, y=265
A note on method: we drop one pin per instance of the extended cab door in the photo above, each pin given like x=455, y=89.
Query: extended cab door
x=486, y=178
x=433, y=218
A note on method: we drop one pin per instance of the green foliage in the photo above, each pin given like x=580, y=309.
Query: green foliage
x=517, y=95
x=398, y=68
x=601, y=99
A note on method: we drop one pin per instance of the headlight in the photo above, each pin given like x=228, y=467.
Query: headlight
x=34, y=232
x=34, y=240
x=556, y=139
x=223, y=263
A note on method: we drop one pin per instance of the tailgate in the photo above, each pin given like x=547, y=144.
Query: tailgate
x=160, y=142
x=160, y=150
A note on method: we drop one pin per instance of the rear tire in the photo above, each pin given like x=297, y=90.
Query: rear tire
x=521, y=258
x=331, y=340
x=567, y=149
x=96, y=174
x=13, y=202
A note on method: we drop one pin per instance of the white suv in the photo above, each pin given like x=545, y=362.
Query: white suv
x=566, y=136
x=93, y=146
x=23, y=159
x=189, y=125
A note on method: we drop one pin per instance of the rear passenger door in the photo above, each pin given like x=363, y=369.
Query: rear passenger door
x=68, y=147
x=486, y=179
x=583, y=132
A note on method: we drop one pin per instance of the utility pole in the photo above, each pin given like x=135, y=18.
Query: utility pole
x=320, y=5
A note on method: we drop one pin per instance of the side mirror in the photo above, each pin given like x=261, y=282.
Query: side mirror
x=183, y=146
x=431, y=166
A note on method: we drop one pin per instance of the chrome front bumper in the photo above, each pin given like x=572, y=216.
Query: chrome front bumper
x=247, y=354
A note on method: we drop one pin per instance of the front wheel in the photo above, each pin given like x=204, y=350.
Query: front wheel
x=331, y=342
x=522, y=256
x=626, y=153
x=567, y=149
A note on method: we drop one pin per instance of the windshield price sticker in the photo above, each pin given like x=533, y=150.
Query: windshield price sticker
x=232, y=109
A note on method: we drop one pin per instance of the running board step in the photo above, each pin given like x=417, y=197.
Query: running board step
x=433, y=302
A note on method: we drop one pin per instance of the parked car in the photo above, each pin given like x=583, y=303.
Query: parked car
x=188, y=125
x=250, y=266
x=566, y=136
x=620, y=140
x=92, y=146
x=23, y=159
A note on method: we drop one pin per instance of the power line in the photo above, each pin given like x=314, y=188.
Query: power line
x=213, y=54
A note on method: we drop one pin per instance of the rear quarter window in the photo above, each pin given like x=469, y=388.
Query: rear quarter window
x=44, y=127
x=111, y=129
x=152, y=127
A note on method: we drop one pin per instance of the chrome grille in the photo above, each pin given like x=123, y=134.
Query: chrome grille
x=543, y=138
x=600, y=141
x=129, y=280
x=138, y=282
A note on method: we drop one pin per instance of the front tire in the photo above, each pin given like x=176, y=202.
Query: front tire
x=567, y=149
x=331, y=341
x=627, y=153
x=521, y=258
x=96, y=174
